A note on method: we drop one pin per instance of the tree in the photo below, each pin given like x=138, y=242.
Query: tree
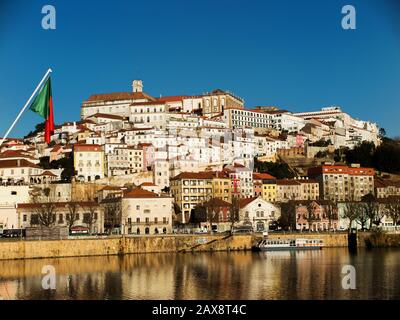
x=45, y=209
x=311, y=216
x=234, y=211
x=362, y=216
x=90, y=215
x=287, y=220
x=72, y=215
x=112, y=213
x=212, y=210
x=330, y=210
x=393, y=208
x=279, y=169
x=372, y=210
x=351, y=212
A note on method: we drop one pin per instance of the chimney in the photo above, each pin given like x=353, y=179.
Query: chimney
x=137, y=86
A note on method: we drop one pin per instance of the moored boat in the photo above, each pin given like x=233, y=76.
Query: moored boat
x=290, y=244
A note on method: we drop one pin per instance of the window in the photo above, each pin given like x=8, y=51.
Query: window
x=13, y=193
x=25, y=218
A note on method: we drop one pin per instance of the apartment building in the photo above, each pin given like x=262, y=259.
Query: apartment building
x=342, y=183
x=145, y=212
x=89, y=162
x=297, y=189
x=125, y=160
x=242, y=180
x=193, y=188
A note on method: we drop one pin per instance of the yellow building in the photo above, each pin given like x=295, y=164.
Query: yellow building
x=190, y=189
x=269, y=192
x=89, y=162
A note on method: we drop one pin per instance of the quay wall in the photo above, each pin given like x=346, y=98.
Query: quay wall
x=22, y=249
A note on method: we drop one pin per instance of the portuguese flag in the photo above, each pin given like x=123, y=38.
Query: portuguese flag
x=43, y=105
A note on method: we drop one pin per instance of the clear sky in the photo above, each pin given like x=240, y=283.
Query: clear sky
x=290, y=54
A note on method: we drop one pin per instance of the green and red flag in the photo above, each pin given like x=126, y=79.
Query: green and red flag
x=43, y=105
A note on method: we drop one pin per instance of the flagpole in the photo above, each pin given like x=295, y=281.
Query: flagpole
x=26, y=105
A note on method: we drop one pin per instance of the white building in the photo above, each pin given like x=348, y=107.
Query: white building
x=145, y=212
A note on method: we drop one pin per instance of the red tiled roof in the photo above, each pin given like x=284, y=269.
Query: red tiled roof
x=141, y=193
x=337, y=169
x=172, y=98
x=287, y=182
x=119, y=96
x=263, y=176
x=87, y=147
x=22, y=163
x=15, y=154
x=194, y=175
x=57, y=204
x=245, y=201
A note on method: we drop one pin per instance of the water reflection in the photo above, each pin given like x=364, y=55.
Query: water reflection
x=234, y=275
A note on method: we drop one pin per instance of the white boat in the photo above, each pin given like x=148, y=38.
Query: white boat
x=290, y=244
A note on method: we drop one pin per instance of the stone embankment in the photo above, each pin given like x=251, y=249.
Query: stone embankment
x=19, y=249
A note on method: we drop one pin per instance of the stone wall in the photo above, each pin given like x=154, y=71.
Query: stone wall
x=153, y=244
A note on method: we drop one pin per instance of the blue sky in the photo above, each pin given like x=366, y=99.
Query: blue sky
x=291, y=54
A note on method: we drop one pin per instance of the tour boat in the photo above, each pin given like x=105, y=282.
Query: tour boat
x=290, y=244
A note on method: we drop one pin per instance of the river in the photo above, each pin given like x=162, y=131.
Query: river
x=218, y=275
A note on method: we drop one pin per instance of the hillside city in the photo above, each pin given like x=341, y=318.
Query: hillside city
x=135, y=164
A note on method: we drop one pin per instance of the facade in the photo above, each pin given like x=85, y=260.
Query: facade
x=193, y=188
x=257, y=212
x=145, y=212
x=319, y=220
x=385, y=188
x=125, y=160
x=88, y=214
x=18, y=171
x=89, y=162
x=343, y=183
x=242, y=180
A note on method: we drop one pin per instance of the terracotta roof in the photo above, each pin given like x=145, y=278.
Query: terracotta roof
x=194, y=175
x=263, y=176
x=216, y=202
x=245, y=201
x=48, y=173
x=119, y=96
x=172, y=98
x=57, y=204
x=337, y=169
x=87, y=147
x=140, y=193
x=17, y=163
x=381, y=183
x=287, y=182
x=147, y=184
x=15, y=154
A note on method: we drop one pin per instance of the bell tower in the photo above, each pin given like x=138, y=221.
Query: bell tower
x=137, y=86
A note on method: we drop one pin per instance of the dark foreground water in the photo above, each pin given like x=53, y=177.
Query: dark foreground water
x=237, y=275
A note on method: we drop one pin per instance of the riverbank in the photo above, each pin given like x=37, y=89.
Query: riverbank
x=20, y=249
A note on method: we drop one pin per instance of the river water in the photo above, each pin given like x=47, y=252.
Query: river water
x=223, y=275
